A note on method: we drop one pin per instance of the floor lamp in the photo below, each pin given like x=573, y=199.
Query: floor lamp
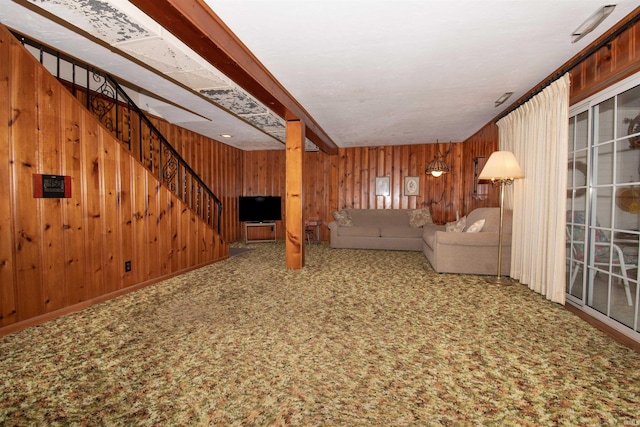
x=501, y=169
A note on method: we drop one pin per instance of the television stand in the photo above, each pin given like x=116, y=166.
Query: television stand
x=271, y=224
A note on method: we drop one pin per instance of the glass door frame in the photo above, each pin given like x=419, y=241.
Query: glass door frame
x=588, y=268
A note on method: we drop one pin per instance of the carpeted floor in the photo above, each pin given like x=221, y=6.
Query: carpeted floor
x=371, y=338
x=235, y=251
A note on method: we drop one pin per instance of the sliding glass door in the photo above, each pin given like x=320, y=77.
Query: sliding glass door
x=603, y=216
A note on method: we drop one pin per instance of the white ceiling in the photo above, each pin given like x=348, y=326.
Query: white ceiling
x=370, y=72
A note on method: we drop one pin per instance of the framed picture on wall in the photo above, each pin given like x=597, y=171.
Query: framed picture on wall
x=382, y=186
x=411, y=185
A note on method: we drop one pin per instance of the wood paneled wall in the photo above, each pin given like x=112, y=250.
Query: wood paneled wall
x=613, y=62
x=481, y=144
x=348, y=180
x=264, y=175
x=218, y=165
x=58, y=255
x=359, y=167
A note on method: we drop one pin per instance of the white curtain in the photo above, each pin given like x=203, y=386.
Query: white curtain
x=537, y=133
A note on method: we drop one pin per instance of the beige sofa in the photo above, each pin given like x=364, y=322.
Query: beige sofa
x=378, y=229
x=470, y=253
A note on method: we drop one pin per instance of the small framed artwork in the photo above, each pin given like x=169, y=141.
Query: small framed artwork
x=411, y=185
x=382, y=186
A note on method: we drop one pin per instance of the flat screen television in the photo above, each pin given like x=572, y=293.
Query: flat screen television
x=260, y=208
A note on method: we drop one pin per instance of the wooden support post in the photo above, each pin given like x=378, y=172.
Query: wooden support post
x=294, y=233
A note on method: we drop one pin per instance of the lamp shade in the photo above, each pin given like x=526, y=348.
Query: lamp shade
x=437, y=167
x=502, y=165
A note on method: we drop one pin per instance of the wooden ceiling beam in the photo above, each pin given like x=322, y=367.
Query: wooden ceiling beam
x=196, y=25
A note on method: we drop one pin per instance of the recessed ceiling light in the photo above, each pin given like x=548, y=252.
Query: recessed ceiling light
x=503, y=98
x=592, y=22
x=226, y=135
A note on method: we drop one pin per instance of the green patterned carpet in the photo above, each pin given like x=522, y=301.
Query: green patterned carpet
x=356, y=338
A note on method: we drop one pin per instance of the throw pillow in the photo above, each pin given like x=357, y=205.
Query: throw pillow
x=476, y=226
x=343, y=218
x=419, y=217
x=456, y=226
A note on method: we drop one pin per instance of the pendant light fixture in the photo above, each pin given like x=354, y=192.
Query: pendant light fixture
x=437, y=166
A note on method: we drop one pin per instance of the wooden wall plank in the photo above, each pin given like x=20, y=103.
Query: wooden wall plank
x=92, y=202
x=207, y=153
x=193, y=247
x=153, y=190
x=387, y=170
x=612, y=63
x=27, y=248
x=403, y=165
x=50, y=221
x=391, y=170
x=622, y=51
x=139, y=263
x=353, y=172
x=164, y=237
x=126, y=163
x=205, y=242
x=423, y=161
x=137, y=141
x=155, y=144
x=185, y=235
x=342, y=185
x=174, y=248
x=364, y=178
x=7, y=165
x=333, y=196
x=415, y=169
x=380, y=168
x=372, y=173
x=112, y=263
x=73, y=231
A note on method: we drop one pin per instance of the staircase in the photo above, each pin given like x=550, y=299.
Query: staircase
x=105, y=97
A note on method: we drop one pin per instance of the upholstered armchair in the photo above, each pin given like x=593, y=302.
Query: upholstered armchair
x=467, y=252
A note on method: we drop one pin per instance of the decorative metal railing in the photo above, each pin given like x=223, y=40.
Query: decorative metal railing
x=107, y=99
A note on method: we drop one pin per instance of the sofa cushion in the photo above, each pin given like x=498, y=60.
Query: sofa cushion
x=379, y=217
x=359, y=231
x=343, y=218
x=492, y=219
x=401, y=232
x=471, y=239
x=419, y=217
x=476, y=227
x=456, y=226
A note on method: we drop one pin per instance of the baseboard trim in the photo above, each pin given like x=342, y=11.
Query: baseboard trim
x=613, y=333
x=43, y=318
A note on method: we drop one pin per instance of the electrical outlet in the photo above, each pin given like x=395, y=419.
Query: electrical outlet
x=127, y=266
